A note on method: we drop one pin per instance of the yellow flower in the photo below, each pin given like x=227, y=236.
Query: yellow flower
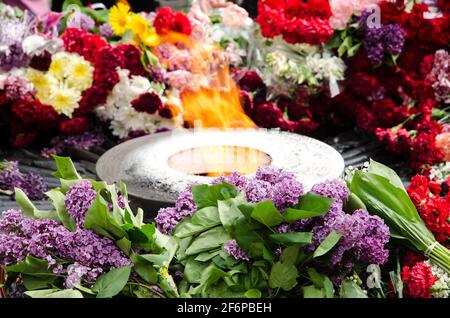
x=150, y=38
x=65, y=100
x=81, y=74
x=58, y=67
x=43, y=83
x=119, y=17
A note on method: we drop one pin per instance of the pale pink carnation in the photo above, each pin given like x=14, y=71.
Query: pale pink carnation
x=343, y=10
x=179, y=79
x=235, y=17
x=200, y=22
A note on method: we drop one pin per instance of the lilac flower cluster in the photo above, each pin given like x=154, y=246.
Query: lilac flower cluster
x=32, y=184
x=106, y=30
x=269, y=183
x=378, y=40
x=232, y=248
x=78, y=200
x=13, y=30
x=84, y=141
x=81, y=21
x=21, y=236
x=363, y=236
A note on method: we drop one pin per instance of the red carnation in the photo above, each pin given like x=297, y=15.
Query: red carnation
x=364, y=84
x=268, y=116
x=246, y=102
x=147, y=102
x=306, y=127
x=424, y=151
x=32, y=112
x=167, y=111
x=132, y=58
x=435, y=212
x=75, y=126
x=411, y=258
x=251, y=82
x=297, y=111
x=41, y=62
x=418, y=190
x=365, y=120
x=81, y=42
x=418, y=280
x=398, y=142
x=168, y=20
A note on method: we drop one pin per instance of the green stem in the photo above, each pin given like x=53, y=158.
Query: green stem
x=441, y=257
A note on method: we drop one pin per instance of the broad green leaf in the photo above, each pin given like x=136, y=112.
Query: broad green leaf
x=349, y=289
x=28, y=208
x=210, y=276
x=169, y=243
x=252, y=293
x=283, y=276
x=206, y=256
x=208, y=240
x=99, y=220
x=38, y=282
x=65, y=169
x=310, y=205
x=386, y=172
x=207, y=195
x=267, y=214
x=229, y=213
x=58, y=201
x=167, y=283
x=327, y=244
x=54, y=293
x=201, y=221
x=313, y=292
x=290, y=254
x=193, y=270
x=31, y=266
x=112, y=283
x=321, y=281
x=141, y=236
x=292, y=238
x=144, y=268
x=354, y=203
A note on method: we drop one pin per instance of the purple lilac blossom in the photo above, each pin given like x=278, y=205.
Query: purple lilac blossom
x=333, y=189
x=373, y=43
x=106, y=31
x=78, y=200
x=232, y=248
x=81, y=21
x=393, y=38
x=167, y=219
x=21, y=236
x=85, y=141
x=32, y=184
x=439, y=77
x=75, y=273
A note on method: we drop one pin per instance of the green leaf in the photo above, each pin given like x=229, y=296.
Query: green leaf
x=290, y=255
x=58, y=201
x=327, y=244
x=283, y=276
x=193, y=270
x=312, y=291
x=310, y=205
x=208, y=240
x=321, y=281
x=292, y=238
x=31, y=266
x=54, y=293
x=68, y=3
x=99, y=220
x=211, y=275
x=28, y=208
x=267, y=214
x=169, y=243
x=384, y=171
x=207, y=256
x=229, y=213
x=207, y=195
x=252, y=293
x=65, y=169
x=349, y=289
x=354, y=203
x=144, y=268
x=112, y=283
x=201, y=221
x=37, y=282
x=140, y=236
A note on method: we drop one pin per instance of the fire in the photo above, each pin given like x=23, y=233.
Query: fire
x=213, y=101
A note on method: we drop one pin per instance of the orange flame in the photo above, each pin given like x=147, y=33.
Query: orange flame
x=215, y=103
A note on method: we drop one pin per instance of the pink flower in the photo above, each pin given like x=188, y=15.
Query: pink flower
x=443, y=144
x=343, y=10
x=200, y=22
x=179, y=79
x=235, y=17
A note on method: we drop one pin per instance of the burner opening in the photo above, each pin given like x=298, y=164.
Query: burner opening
x=213, y=161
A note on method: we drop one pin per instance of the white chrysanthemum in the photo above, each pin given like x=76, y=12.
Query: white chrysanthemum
x=441, y=288
x=80, y=74
x=64, y=100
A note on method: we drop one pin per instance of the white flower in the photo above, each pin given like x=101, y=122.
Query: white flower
x=34, y=44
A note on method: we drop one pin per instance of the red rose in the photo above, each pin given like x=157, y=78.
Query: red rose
x=168, y=20
x=75, y=126
x=32, y=112
x=147, y=102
